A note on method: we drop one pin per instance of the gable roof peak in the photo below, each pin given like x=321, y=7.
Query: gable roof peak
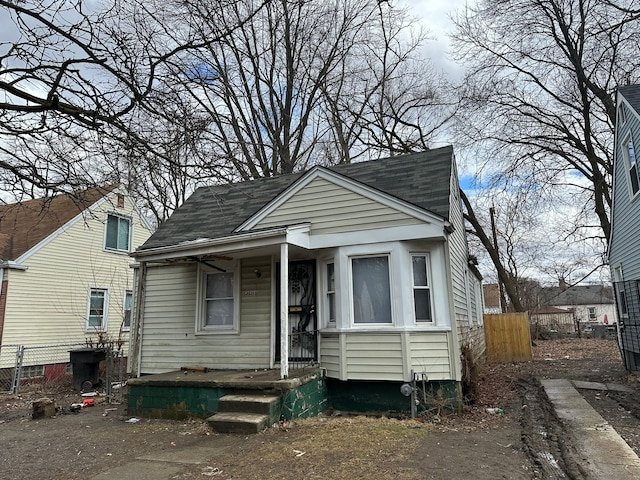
x=26, y=223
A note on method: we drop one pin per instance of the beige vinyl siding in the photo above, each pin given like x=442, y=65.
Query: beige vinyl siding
x=47, y=303
x=430, y=354
x=386, y=356
x=331, y=208
x=169, y=340
x=372, y=356
x=330, y=354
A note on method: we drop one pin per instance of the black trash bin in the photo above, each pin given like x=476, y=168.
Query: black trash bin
x=86, y=367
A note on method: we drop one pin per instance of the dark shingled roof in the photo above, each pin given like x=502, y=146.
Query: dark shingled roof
x=216, y=211
x=580, y=295
x=25, y=224
x=632, y=94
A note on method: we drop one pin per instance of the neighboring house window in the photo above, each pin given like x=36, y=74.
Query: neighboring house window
x=623, y=115
x=127, y=305
x=592, y=313
x=630, y=154
x=118, y=235
x=98, y=304
x=32, y=371
x=421, y=290
x=218, y=308
x=371, y=290
x=331, y=292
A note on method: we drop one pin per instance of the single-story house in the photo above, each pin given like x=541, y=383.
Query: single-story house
x=360, y=271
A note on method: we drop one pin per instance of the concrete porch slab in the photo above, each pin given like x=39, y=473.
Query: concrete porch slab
x=268, y=379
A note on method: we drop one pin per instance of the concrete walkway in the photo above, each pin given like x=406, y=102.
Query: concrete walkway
x=167, y=464
x=604, y=452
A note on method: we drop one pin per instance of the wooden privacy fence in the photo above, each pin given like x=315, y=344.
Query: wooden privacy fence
x=507, y=337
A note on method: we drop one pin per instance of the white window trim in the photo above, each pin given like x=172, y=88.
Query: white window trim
x=105, y=309
x=123, y=327
x=130, y=241
x=428, y=287
x=627, y=163
x=324, y=292
x=352, y=321
x=479, y=302
x=200, y=327
x=467, y=288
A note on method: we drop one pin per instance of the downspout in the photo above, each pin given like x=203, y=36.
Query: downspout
x=284, y=310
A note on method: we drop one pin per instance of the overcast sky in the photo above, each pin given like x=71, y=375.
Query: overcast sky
x=436, y=17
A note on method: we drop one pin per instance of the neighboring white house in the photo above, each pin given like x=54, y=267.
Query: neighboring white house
x=361, y=268
x=65, y=272
x=590, y=304
x=624, y=242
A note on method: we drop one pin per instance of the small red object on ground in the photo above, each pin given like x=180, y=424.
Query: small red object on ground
x=88, y=402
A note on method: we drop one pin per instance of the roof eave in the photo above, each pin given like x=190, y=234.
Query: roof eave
x=293, y=234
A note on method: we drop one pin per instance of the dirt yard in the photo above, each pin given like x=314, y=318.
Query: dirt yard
x=477, y=444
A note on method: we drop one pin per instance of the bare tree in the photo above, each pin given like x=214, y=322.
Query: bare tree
x=310, y=82
x=540, y=90
x=539, y=98
x=71, y=74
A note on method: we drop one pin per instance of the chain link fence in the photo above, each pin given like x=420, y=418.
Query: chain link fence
x=48, y=367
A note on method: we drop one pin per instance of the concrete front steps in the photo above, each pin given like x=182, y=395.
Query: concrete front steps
x=245, y=413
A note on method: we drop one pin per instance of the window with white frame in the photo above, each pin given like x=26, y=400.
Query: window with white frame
x=218, y=304
x=479, y=302
x=592, y=313
x=623, y=115
x=330, y=287
x=371, y=289
x=118, y=233
x=97, y=309
x=127, y=306
x=421, y=288
x=629, y=153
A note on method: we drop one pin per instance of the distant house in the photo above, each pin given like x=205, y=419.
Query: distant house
x=361, y=269
x=590, y=304
x=624, y=243
x=65, y=273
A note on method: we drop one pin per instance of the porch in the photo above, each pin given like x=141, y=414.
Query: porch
x=197, y=392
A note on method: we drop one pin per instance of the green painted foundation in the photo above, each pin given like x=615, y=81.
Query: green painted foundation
x=362, y=396
x=174, y=402
x=316, y=395
x=308, y=400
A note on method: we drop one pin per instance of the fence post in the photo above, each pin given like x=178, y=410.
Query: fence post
x=17, y=371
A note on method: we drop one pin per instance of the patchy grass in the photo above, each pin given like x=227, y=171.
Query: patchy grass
x=331, y=447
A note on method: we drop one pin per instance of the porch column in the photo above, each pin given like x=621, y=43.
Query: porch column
x=284, y=310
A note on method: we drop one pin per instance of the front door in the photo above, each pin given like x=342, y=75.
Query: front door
x=303, y=336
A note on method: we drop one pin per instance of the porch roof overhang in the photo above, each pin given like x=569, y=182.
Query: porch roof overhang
x=294, y=235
